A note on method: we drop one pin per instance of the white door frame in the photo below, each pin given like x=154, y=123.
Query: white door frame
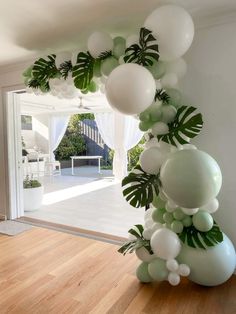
x=14, y=178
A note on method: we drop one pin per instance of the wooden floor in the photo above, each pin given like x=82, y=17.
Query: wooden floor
x=45, y=271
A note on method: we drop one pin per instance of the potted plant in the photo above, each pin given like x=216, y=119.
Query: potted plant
x=33, y=194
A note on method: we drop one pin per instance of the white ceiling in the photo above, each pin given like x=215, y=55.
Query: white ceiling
x=33, y=27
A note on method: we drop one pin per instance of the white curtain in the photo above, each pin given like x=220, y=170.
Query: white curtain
x=57, y=128
x=120, y=133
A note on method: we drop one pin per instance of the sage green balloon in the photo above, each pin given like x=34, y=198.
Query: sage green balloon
x=175, y=97
x=191, y=178
x=144, y=116
x=142, y=273
x=108, y=65
x=144, y=126
x=157, y=69
x=179, y=214
x=97, y=68
x=93, y=87
x=187, y=221
x=27, y=73
x=157, y=215
x=119, y=46
x=157, y=269
x=168, y=218
x=158, y=202
x=203, y=221
x=177, y=226
x=210, y=267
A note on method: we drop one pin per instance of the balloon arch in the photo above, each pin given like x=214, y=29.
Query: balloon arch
x=176, y=182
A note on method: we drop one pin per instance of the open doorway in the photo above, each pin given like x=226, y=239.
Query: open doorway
x=82, y=197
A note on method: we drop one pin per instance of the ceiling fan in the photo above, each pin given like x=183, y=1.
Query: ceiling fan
x=81, y=106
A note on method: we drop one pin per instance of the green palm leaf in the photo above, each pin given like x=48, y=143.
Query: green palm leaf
x=65, y=68
x=141, y=189
x=184, y=125
x=197, y=239
x=45, y=69
x=162, y=96
x=83, y=70
x=145, y=52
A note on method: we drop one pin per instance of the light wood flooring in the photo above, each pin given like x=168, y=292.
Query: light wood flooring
x=44, y=271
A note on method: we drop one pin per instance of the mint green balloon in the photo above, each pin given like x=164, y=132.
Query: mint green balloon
x=119, y=46
x=144, y=126
x=142, y=273
x=27, y=73
x=191, y=178
x=168, y=218
x=203, y=221
x=157, y=215
x=157, y=269
x=97, y=68
x=144, y=116
x=210, y=267
x=157, y=69
x=179, y=214
x=108, y=65
x=187, y=221
x=175, y=97
x=177, y=226
x=158, y=202
x=93, y=87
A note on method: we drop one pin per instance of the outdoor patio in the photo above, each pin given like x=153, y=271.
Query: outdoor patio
x=87, y=200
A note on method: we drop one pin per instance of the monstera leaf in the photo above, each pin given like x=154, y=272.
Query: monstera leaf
x=65, y=68
x=131, y=246
x=184, y=124
x=197, y=239
x=45, y=69
x=142, y=187
x=145, y=52
x=83, y=70
x=162, y=96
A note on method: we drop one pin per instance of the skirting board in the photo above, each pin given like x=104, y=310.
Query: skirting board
x=3, y=217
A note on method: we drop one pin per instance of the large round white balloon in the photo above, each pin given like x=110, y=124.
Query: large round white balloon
x=191, y=178
x=151, y=160
x=165, y=244
x=99, y=42
x=174, y=30
x=130, y=88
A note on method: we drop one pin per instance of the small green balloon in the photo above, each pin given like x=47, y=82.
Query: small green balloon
x=27, y=73
x=203, y=221
x=108, y=65
x=97, y=68
x=177, y=226
x=175, y=97
x=157, y=215
x=144, y=116
x=142, y=273
x=187, y=221
x=155, y=111
x=93, y=87
x=157, y=69
x=179, y=214
x=144, y=126
x=84, y=91
x=119, y=46
x=43, y=88
x=158, y=202
x=157, y=269
x=168, y=218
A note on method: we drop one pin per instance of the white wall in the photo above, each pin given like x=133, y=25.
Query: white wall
x=211, y=85
x=28, y=138
x=40, y=127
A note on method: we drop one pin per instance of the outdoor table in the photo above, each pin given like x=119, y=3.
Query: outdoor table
x=84, y=157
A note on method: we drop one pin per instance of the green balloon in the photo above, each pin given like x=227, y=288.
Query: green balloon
x=144, y=116
x=177, y=226
x=203, y=221
x=157, y=69
x=155, y=111
x=142, y=273
x=119, y=47
x=108, y=65
x=168, y=218
x=187, y=221
x=97, y=68
x=27, y=73
x=179, y=214
x=157, y=215
x=144, y=126
x=93, y=87
x=158, y=202
x=157, y=269
x=175, y=97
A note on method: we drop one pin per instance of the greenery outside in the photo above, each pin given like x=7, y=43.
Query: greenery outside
x=31, y=183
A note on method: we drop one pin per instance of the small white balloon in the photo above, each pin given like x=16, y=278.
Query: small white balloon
x=169, y=80
x=174, y=279
x=190, y=211
x=183, y=270
x=132, y=39
x=170, y=206
x=159, y=128
x=143, y=254
x=212, y=206
x=151, y=160
x=62, y=57
x=179, y=67
x=99, y=42
x=130, y=88
x=172, y=265
x=148, y=213
x=147, y=233
x=153, y=142
x=148, y=223
x=158, y=84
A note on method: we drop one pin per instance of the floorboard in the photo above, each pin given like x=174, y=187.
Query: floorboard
x=46, y=271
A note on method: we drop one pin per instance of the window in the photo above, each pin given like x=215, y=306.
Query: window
x=26, y=122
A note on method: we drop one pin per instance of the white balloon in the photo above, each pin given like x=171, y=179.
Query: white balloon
x=172, y=265
x=170, y=206
x=158, y=84
x=179, y=67
x=132, y=39
x=190, y=211
x=61, y=57
x=173, y=28
x=147, y=233
x=144, y=255
x=165, y=244
x=153, y=142
x=212, y=206
x=169, y=80
x=165, y=147
x=174, y=279
x=148, y=223
x=159, y=128
x=151, y=160
x=183, y=270
x=189, y=146
x=99, y=42
x=130, y=88
x=148, y=213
